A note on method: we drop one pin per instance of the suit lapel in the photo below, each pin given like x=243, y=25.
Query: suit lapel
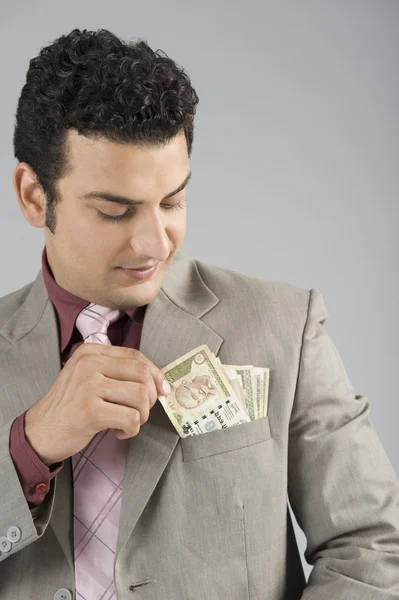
x=172, y=327
x=168, y=332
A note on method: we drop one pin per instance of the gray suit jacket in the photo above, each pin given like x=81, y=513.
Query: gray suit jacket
x=206, y=517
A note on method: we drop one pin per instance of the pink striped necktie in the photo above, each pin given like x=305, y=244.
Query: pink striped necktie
x=98, y=471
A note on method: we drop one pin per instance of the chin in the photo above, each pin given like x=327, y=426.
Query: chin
x=144, y=293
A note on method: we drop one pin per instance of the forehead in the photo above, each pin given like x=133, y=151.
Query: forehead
x=96, y=162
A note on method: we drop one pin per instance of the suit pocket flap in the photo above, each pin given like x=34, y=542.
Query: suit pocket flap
x=225, y=440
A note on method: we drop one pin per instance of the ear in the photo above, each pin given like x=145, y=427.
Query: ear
x=31, y=196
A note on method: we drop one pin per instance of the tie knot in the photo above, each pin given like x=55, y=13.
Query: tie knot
x=93, y=322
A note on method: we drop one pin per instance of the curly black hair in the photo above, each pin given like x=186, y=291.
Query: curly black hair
x=101, y=86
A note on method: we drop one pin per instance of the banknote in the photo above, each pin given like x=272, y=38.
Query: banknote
x=207, y=395
x=266, y=380
x=257, y=390
x=249, y=384
x=258, y=374
x=236, y=384
x=201, y=398
x=235, y=381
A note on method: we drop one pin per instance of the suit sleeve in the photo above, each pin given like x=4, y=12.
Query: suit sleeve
x=15, y=510
x=342, y=487
x=33, y=474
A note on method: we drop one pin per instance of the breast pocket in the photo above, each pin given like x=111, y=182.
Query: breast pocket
x=225, y=440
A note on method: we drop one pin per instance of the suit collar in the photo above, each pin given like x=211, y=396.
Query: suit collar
x=185, y=287
x=28, y=315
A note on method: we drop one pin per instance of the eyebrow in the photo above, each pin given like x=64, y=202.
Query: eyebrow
x=129, y=201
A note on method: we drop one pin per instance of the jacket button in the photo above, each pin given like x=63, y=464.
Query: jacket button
x=63, y=594
x=5, y=544
x=14, y=534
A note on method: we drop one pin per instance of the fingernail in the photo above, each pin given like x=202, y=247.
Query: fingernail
x=166, y=387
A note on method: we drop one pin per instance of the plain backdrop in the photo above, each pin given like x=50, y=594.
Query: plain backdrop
x=295, y=156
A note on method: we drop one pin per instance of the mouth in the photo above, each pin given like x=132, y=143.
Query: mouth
x=143, y=268
x=140, y=273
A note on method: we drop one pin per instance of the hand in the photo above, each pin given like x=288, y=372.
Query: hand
x=100, y=387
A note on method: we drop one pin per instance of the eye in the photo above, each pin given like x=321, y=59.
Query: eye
x=114, y=218
x=174, y=206
x=126, y=215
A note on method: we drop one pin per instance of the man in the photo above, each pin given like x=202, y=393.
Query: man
x=100, y=497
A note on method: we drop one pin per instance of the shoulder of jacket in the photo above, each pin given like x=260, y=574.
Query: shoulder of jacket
x=233, y=286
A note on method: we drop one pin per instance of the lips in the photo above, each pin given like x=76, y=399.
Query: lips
x=140, y=274
x=145, y=268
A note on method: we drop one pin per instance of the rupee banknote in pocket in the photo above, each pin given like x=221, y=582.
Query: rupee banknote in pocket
x=207, y=395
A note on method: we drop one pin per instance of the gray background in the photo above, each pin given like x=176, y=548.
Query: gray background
x=295, y=157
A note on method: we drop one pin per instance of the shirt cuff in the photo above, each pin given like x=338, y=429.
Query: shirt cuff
x=34, y=475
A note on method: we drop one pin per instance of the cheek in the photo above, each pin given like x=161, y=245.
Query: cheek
x=71, y=235
x=176, y=227
x=75, y=225
x=88, y=247
x=86, y=238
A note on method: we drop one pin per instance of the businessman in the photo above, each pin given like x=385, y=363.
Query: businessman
x=100, y=497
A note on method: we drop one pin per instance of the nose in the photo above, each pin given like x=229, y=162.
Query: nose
x=149, y=237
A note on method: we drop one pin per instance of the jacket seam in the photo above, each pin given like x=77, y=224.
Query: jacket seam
x=301, y=352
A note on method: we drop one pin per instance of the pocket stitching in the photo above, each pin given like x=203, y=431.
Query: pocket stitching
x=191, y=450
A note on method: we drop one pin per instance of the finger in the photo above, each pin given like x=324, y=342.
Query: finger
x=133, y=371
x=121, y=435
x=132, y=394
x=121, y=418
x=162, y=385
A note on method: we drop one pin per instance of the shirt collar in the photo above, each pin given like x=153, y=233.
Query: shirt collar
x=68, y=306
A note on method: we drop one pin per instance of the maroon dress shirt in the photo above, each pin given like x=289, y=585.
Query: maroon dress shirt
x=33, y=474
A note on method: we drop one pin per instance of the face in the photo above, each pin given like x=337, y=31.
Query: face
x=192, y=393
x=88, y=251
